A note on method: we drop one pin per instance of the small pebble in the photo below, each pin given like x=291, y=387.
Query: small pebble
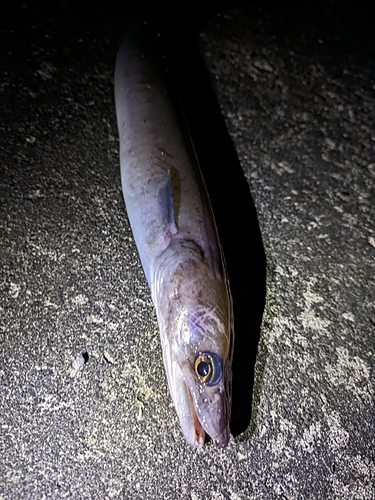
x=80, y=361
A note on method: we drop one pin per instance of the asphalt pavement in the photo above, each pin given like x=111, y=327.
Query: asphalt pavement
x=85, y=410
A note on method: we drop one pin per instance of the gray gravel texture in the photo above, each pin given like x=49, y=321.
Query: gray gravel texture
x=85, y=410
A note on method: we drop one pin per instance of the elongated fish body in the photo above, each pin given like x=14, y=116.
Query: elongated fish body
x=175, y=233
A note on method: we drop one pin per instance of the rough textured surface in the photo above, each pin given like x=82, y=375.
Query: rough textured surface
x=299, y=102
x=305, y=139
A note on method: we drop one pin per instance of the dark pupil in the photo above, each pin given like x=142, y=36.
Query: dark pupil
x=203, y=369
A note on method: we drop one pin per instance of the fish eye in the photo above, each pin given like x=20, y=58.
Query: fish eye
x=208, y=368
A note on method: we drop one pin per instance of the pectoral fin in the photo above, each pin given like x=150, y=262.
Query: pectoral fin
x=166, y=209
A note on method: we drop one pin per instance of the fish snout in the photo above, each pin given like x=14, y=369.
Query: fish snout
x=221, y=440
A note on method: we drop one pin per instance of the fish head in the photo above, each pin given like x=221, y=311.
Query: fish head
x=202, y=406
x=195, y=319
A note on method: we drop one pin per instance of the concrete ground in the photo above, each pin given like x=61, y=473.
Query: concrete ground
x=84, y=405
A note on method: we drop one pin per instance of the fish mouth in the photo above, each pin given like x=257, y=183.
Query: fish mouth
x=198, y=433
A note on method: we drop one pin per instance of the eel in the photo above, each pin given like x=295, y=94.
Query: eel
x=175, y=233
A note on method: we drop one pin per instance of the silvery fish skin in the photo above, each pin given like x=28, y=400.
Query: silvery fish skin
x=175, y=233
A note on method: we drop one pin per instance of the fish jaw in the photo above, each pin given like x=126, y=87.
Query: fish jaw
x=201, y=409
x=183, y=403
x=193, y=307
x=210, y=405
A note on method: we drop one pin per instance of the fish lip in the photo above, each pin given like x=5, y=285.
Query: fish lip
x=199, y=432
x=190, y=425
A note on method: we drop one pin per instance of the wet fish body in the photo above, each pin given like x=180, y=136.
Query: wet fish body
x=175, y=233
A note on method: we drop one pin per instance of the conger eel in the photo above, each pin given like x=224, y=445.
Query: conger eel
x=174, y=229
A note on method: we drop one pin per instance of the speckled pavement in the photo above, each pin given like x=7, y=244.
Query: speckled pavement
x=84, y=405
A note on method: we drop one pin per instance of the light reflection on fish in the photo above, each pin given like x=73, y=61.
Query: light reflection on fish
x=175, y=233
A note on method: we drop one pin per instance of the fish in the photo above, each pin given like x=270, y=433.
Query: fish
x=174, y=229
